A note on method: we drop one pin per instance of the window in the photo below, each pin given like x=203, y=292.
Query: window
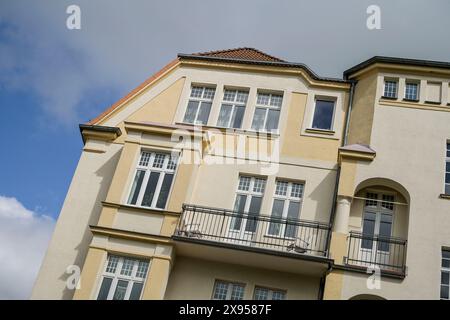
x=286, y=204
x=248, y=200
x=153, y=180
x=261, y=293
x=199, y=105
x=224, y=290
x=434, y=92
x=412, y=91
x=123, y=279
x=447, y=170
x=445, y=274
x=323, y=114
x=390, y=89
x=233, y=108
x=267, y=111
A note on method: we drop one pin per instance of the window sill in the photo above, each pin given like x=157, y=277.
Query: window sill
x=444, y=196
x=433, y=102
x=389, y=98
x=320, y=131
x=234, y=130
x=410, y=100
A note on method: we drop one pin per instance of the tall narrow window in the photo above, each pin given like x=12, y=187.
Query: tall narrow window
x=447, y=170
x=286, y=205
x=445, y=274
x=323, y=114
x=390, y=89
x=261, y=293
x=267, y=111
x=199, y=105
x=153, y=180
x=123, y=278
x=411, y=91
x=224, y=290
x=233, y=108
x=248, y=200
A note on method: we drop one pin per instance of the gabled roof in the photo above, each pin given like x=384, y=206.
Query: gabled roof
x=396, y=61
x=244, y=53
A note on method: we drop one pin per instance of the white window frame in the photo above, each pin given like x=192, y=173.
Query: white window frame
x=267, y=107
x=116, y=276
x=233, y=104
x=287, y=200
x=396, y=88
x=444, y=269
x=447, y=160
x=270, y=292
x=230, y=285
x=417, y=84
x=248, y=199
x=148, y=170
x=328, y=99
x=200, y=100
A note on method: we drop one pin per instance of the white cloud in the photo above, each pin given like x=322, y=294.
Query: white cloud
x=24, y=238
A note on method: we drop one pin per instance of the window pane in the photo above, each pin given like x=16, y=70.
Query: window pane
x=447, y=189
x=390, y=89
x=445, y=263
x=244, y=183
x=203, y=114
x=293, y=212
x=150, y=190
x=104, y=289
x=446, y=254
x=191, y=110
x=444, y=292
x=281, y=188
x=112, y=264
x=368, y=230
x=239, y=207
x=121, y=290
x=278, y=295
x=136, y=291
x=323, y=114
x=277, y=212
x=447, y=166
x=385, y=231
x=261, y=294
x=137, y=183
x=127, y=267
x=220, y=290
x=272, y=119
x=142, y=269
x=224, y=115
x=411, y=91
x=447, y=177
x=263, y=98
x=258, y=118
x=164, y=192
x=445, y=278
x=237, y=292
x=238, y=115
x=253, y=213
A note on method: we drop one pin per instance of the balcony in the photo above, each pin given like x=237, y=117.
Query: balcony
x=245, y=238
x=386, y=253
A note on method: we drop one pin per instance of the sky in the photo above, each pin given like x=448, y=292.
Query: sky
x=52, y=79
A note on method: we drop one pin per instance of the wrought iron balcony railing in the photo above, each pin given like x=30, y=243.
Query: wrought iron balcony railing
x=386, y=253
x=250, y=230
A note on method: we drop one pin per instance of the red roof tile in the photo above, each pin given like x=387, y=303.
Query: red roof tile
x=241, y=53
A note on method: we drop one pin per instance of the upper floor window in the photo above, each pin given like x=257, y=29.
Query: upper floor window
x=267, y=111
x=199, y=105
x=411, y=91
x=445, y=274
x=261, y=293
x=390, y=89
x=123, y=278
x=233, y=108
x=286, y=204
x=323, y=114
x=447, y=170
x=248, y=200
x=153, y=180
x=224, y=290
x=433, y=92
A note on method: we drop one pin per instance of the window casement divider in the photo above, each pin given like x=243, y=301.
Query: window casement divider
x=381, y=200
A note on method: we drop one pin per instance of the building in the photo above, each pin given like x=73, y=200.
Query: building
x=236, y=175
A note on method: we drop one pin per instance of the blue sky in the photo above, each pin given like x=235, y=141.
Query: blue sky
x=52, y=79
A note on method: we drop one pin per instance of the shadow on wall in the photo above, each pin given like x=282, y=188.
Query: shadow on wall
x=323, y=208
x=105, y=173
